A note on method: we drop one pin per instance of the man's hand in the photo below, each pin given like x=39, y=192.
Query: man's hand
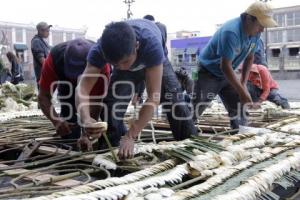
x=134, y=100
x=126, y=147
x=245, y=98
x=84, y=144
x=91, y=130
x=255, y=106
x=63, y=127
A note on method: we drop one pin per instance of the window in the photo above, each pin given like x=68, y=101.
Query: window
x=29, y=35
x=275, y=36
x=293, y=18
x=19, y=35
x=68, y=36
x=180, y=58
x=79, y=35
x=275, y=52
x=294, y=51
x=57, y=37
x=290, y=19
x=279, y=18
x=290, y=35
x=193, y=57
x=4, y=36
x=297, y=34
x=297, y=18
x=293, y=35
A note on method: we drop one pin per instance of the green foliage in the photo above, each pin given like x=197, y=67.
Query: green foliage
x=21, y=93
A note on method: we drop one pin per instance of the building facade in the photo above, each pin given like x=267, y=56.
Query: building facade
x=17, y=37
x=283, y=43
x=185, y=49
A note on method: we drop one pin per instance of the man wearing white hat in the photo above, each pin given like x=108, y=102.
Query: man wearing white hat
x=234, y=43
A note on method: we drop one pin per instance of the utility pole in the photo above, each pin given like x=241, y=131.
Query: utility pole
x=128, y=3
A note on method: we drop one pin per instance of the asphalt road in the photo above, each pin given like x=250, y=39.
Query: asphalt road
x=290, y=89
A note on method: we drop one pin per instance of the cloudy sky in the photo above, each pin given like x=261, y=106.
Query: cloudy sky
x=200, y=15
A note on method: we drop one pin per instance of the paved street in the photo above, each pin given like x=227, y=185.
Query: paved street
x=290, y=89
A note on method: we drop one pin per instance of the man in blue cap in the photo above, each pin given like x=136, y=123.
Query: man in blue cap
x=61, y=70
x=235, y=42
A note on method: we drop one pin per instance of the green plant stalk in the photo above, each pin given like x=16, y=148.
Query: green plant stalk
x=110, y=148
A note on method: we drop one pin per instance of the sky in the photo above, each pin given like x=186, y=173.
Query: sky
x=193, y=15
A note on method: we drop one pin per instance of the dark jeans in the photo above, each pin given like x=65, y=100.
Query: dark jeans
x=4, y=76
x=17, y=80
x=274, y=96
x=37, y=73
x=116, y=106
x=172, y=94
x=207, y=86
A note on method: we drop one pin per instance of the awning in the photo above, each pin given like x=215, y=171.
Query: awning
x=292, y=45
x=275, y=47
x=20, y=47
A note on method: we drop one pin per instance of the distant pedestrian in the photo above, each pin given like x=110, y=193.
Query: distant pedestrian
x=40, y=48
x=16, y=68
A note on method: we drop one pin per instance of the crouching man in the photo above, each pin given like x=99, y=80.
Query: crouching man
x=263, y=87
x=61, y=70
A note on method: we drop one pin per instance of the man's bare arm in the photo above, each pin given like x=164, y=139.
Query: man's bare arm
x=83, y=89
x=226, y=66
x=246, y=69
x=153, y=77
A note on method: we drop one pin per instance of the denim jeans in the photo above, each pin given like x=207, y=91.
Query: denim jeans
x=207, y=86
x=273, y=96
x=37, y=73
x=170, y=95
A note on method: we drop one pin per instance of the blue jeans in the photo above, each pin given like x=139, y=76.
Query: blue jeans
x=273, y=96
x=37, y=73
x=170, y=93
x=207, y=86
